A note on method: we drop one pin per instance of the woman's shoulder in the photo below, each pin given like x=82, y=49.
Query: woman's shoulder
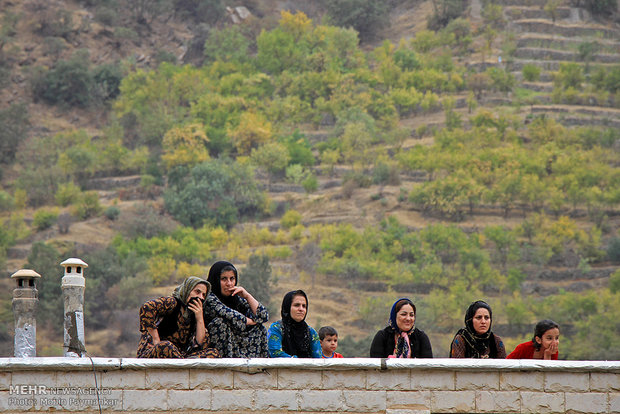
x=277, y=325
x=419, y=332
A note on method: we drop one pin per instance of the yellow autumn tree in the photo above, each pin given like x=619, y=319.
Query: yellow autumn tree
x=185, y=145
x=252, y=131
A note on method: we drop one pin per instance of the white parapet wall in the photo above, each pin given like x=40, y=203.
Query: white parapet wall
x=355, y=385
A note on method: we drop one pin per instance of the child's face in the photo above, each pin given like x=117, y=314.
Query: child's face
x=329, y=344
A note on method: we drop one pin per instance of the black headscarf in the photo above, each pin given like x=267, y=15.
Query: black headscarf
x=296, y=339
x=214, y=278
x=476, y=345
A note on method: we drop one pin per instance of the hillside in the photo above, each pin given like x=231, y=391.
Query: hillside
x=528, y=38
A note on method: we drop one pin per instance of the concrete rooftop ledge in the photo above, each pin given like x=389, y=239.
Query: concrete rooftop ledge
x=280, y=386
x=261, y=364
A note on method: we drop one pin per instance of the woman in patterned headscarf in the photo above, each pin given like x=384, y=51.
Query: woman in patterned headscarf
x=476, y=340
x=401, y=339
x=291, y=337
x=173, y=326
x=234, y=317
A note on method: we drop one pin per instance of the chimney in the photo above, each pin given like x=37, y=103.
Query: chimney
x=25, y=300
x=73, y=284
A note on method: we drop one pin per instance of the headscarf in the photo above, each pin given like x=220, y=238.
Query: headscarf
x=296, y=339
x=403, y=347
x=476, y=345
x=214, y=278
x=168, y=325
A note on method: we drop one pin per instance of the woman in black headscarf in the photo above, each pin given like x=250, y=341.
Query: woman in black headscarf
x=173, y=326
x=291, y=337
x=477, y=340
x=401, y=339
x=234, y=317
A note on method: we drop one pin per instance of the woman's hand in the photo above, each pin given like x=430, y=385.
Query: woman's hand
x=196, y=307
x=154, y=335
x=250, y=322
x=242, y=293
x=553, y=348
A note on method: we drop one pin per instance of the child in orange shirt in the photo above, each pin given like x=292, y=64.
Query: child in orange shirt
x=329, y=342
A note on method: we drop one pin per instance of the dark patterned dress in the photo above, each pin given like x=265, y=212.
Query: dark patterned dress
x=179, y=344
x=228, y=330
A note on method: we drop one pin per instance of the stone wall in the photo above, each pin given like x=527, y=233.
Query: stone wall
x=355, y=385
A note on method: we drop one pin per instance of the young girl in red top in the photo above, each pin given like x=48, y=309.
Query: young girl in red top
x=544, y=345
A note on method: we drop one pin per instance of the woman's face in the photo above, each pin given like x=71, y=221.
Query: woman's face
x=550, y=337
x=405, y=318
x=482, y=321
x=227, y=282
x=200, y=291
x=298, y=308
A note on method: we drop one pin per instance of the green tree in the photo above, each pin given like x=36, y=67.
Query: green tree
x=365, y=16
x=273, y=157
x=45, y=260
x=220, y=191
x=226, y=45
x=257, y=277
x=14, y=123
x=69, y=81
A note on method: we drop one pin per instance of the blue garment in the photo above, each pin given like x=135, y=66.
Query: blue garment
x=274, y=342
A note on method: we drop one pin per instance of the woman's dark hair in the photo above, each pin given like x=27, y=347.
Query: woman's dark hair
x=542, y=327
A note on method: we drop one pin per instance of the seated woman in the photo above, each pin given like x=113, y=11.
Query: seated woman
x=477, y=340
x=544, y=344
x=234, y=318
x=401, y=339
x=291, y=337
x=173, y=326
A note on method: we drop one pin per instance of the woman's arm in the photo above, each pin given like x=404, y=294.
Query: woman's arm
x=201, y=332
x=317, y=351
x=501, y=350
x=151, y=314
x=274, y=341
x=457, y=349
x=214, y=308
x=242, y=293
x=426, y=350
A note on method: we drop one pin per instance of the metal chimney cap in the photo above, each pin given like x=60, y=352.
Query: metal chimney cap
x=25, y=273
x=73, y=261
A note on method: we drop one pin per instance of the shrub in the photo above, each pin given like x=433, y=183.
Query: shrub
x=14, y=125
x=87, y=205
x=7, y=202
x=67, y=193
x=290, y=219
x=69, y=82
x=112, y=213
x=310, y=183
x=613, y=250
x=44, y=219
x=365, y=16
x=531, y=73
x=614, y=282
